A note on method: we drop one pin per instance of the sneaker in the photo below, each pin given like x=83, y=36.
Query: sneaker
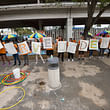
x=14, y=64
x=19, y=64
x=72, y=59
x=68, y=59
x=24, y=64
x=43, y=62
x=82, y=58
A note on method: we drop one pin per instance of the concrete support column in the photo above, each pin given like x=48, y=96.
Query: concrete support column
x=40, y=25
x=69, y=27
x=38, y=1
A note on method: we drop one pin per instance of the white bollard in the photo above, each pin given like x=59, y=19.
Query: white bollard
x=54, y=78
x=16, y=73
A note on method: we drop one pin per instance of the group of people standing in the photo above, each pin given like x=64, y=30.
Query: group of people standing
x=49, y=51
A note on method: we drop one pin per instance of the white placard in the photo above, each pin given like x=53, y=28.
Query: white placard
x=36, y=47
x=47, y=42
x=62, y=46
x=1, y=46
x=23, y=48
x=83, y=45
x=104, y=43
x=10, y=48
x=93, y=44
x=71, y=47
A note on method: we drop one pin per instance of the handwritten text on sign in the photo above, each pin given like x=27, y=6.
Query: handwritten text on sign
x=93, y=44
x=36, y=47
x=83, y=45
x=23, y=48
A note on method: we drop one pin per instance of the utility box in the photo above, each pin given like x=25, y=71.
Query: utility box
x=53, y=73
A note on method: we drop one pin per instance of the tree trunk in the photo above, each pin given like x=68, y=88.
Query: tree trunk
x=90, y=20
x=91, y=9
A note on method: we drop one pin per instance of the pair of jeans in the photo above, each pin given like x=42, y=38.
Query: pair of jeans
x=90, y=52
x=70, y=55
x=108, y=53
x=62, y=56
x=26, y=60
x=102, y=51
x=16, y=57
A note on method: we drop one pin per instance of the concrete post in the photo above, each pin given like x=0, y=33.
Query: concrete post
x=69, y=27
x=40, y=25
x=38, y=1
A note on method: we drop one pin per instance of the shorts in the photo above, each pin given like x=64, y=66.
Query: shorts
x=49, y=52
x=1, y=54
x=81, y=52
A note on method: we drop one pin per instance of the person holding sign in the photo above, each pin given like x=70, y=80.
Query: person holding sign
x=70, y=53
x=3, y=54
x=93, y=46
x=61, y=48
x=25, y=56
x=16, y=56
x=104, y=43
x=83, y=47
x=36, y=48
x=81, y=53
x=48, y=45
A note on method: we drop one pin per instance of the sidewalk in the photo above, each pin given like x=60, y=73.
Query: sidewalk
x=85, y=86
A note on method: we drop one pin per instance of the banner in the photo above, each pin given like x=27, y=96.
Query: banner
x=10, y=48
x=93, y=44
x=71, y=47
x=36, y=47
x=104, y=43
x=1, y=46
x=62, y=46
x=23, y=48
x=83, y=45
x=47, y=42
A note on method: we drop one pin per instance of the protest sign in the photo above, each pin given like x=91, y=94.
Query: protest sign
x=71, y=47
x=62, y=46
x=83, y=45
x=23, y=48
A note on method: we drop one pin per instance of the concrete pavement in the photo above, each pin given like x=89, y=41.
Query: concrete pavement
x=85, y=86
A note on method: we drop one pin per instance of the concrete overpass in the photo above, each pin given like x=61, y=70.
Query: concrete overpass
x=50, y=14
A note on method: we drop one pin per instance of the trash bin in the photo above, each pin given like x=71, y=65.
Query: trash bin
x=53, y=73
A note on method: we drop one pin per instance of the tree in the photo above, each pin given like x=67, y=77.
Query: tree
x=92, y=5
x=102, y=6
x=23, y=31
